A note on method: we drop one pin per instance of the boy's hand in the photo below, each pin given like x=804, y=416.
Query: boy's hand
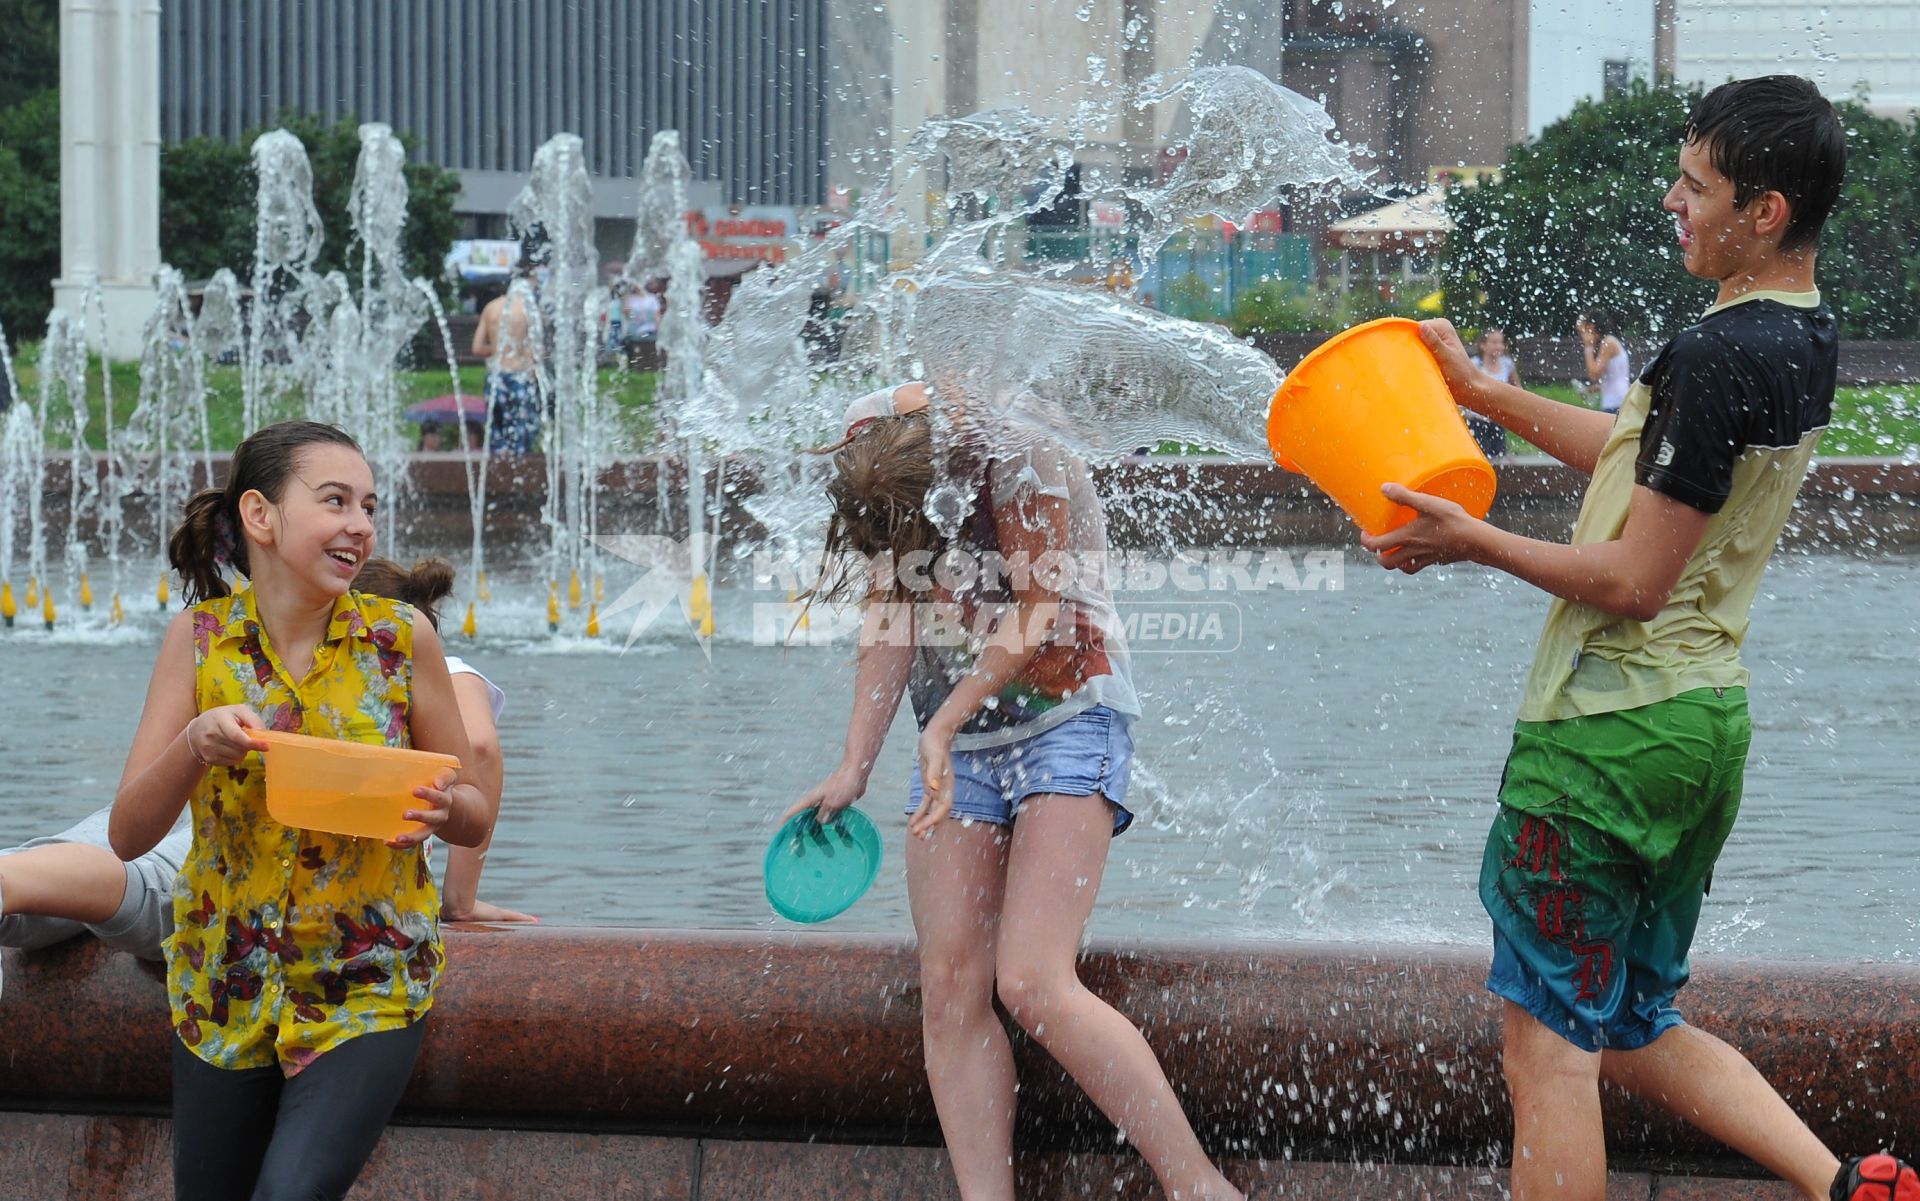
x=1442, y=533
x=1464, y=380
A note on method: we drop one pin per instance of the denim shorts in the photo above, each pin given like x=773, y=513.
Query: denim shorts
x=1088, y=753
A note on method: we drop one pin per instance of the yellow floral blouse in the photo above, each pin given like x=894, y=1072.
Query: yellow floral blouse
x=288, y=942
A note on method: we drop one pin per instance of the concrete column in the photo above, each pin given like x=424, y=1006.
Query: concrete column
x=917, y=42
x=1663, y=27
x=110, y=161
x=1137, y=55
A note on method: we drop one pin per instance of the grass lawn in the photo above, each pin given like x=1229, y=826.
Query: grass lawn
x=1880, y=420
x=631, y=391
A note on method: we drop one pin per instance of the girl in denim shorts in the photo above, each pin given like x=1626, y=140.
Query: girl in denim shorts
x=1006, y=639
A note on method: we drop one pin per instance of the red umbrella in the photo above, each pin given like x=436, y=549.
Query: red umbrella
x=445, y=410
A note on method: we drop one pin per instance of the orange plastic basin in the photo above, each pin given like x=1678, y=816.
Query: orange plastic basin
x=352, y=788
x=1369, y=407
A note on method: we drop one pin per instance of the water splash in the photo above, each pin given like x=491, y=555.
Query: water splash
x=558, y=200
x=287, y=238
x=660, y=218
x=473, y=468
x=169, y=427
x=63, y=397
x=107, y=484
x=220, y=327
x=23, y=466
x=1251, y=142
x=1100, y=374
x=1007, y=160
x=391, y=311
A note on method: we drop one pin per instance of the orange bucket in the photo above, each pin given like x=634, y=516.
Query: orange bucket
x=1370, y=407
x=338, y=787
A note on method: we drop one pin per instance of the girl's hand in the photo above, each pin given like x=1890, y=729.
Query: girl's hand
x=219, y=738
x=439, y=806
x=936, y=780
x=831, y=795
x=484, y=911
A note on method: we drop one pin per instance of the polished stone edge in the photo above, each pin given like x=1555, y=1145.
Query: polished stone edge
x=57, y=1157
x=1323, y=1051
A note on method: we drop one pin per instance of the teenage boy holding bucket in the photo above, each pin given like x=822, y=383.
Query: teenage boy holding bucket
x=1625, y=772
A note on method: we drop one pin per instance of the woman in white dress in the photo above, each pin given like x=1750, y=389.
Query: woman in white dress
x=1606, y=355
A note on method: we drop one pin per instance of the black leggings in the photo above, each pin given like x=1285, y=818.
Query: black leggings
x=252, y=1135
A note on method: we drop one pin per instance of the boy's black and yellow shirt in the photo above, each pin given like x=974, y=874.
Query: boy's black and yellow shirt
x=1724, y=419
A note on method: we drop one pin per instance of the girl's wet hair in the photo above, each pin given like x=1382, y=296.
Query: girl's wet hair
x=429, y=582
x=879, y=492
x=208, y=541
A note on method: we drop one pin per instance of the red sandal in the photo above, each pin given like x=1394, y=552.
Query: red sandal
x=1879, y=1177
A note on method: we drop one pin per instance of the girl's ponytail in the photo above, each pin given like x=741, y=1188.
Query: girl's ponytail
x=424, y=587
x=203, y=543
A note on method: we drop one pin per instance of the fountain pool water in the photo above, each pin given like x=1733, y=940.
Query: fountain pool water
x=1328, y=775
x=1330, y=779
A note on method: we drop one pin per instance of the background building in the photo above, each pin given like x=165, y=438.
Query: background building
x=1847, y=47
x=482, y=83
x=900, y=62
x=1584, y=52
x=1435, y=85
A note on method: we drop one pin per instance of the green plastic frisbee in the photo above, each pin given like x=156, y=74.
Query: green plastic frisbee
x=816, y=872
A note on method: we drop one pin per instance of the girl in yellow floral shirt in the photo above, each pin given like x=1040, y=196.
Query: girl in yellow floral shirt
x=302, y=965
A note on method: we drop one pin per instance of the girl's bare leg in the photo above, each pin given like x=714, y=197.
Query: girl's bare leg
x=955, y=881
x=1054, y=865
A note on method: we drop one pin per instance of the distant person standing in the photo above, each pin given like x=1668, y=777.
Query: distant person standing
x=642, y=315
x=1606, y=357
x=1494, y=361
x=508, y=339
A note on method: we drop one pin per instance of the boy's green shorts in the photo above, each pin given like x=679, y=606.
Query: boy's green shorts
x=1604, y=846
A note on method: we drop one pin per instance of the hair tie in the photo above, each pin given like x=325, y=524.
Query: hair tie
x=225, y=544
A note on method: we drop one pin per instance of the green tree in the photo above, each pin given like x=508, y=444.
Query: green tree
x=206, y=207
x=1869, y=264
x=1575, y=220
x=29, y=213
x=30, y=52
x=203, y=228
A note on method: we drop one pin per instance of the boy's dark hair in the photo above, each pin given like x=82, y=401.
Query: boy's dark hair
x=1776, y=133
x=208, y=537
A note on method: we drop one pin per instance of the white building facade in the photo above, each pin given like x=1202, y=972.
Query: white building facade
x=1849, y=48
x=1583, y=51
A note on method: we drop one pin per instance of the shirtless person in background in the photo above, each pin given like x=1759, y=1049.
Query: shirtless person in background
x=508, y=338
